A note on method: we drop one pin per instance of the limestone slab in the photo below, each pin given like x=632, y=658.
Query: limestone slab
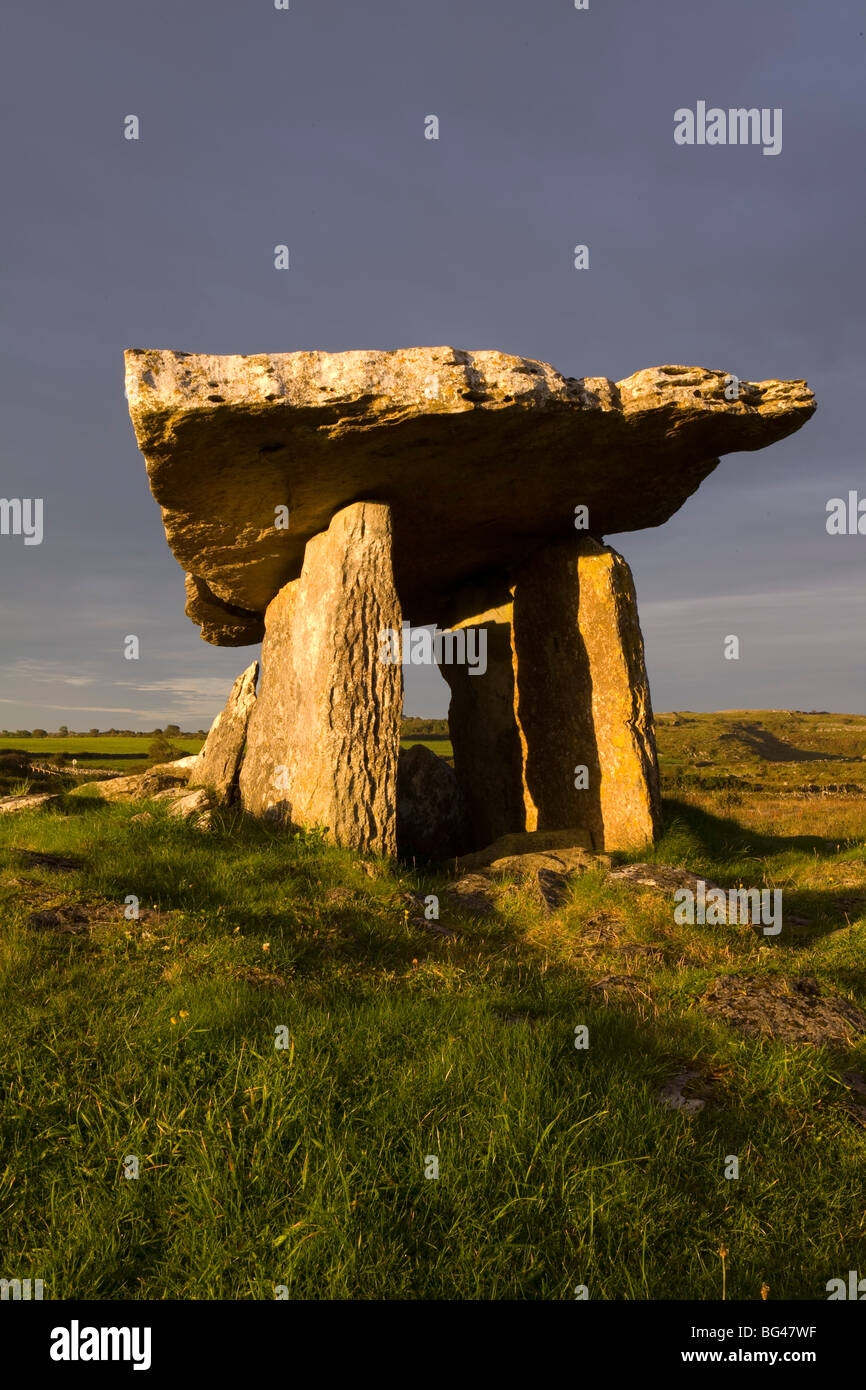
x=481, y=456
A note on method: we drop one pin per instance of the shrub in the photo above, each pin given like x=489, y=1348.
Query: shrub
x=162, y=751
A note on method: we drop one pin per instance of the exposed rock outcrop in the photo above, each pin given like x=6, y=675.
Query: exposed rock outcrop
x=793, y=1009
x=142, y=786
x=27, y=801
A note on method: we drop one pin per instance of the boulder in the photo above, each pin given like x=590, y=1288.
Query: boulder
x=556, y=861
x=431, y=823
x=229, y=440
x=190, y=804
x=324, y=734
x=218, y=763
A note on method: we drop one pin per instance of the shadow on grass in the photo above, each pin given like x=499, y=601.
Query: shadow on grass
x=775, y=750
x=336, y=929
x=721, y=836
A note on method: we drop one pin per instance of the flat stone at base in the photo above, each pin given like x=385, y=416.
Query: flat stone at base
x=532, y=842
x=553, y=887
x=190, y=804
x=30, y=801
x=473, y=893
x=662, y=876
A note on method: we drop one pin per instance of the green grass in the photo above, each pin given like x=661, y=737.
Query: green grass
x=79, y=745
x=305, y=1166
x=127, y=755
x=130, y=754
x=441, y=746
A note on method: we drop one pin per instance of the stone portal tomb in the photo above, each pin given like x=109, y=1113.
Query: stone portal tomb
x=315, y=499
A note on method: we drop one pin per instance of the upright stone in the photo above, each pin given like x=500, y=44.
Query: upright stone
x=582, y=697
x=484, y=735
x=324, y=736
x=219, y=760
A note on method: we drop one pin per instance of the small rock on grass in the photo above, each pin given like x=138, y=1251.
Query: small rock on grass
x=473, y=893
x=672, y=1097
x=662, y=876
x=553, y=887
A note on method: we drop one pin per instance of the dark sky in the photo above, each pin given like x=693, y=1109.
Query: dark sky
x=306, y=127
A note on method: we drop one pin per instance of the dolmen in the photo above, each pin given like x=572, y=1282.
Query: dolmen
x=330, y=505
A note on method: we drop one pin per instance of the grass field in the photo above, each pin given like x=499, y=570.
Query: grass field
x=304, y=1166
x=125, y=754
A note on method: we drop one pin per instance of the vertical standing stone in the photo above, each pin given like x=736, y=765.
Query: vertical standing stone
x=324, y=737
x=219, y=760
x=484, y=735
x=582, y=697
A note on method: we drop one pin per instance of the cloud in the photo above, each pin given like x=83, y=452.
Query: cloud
x=184, y=688
x=48, y=673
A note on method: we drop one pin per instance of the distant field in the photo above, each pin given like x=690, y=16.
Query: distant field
x=80, y=746
x=763, y=751
x=131, y=754
x=778, y=752
x=442, y=746
x=123, y=754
